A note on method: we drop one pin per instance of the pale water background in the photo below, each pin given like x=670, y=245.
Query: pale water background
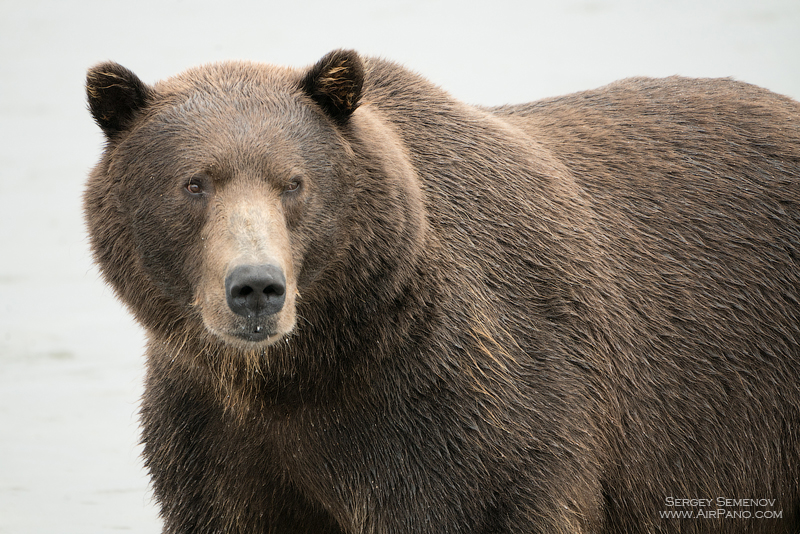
x=70, y=356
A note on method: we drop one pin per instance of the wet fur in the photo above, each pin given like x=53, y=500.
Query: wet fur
x=536, y=318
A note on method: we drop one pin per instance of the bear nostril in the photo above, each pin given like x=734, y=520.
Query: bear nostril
x=255, y=290
x=275, y=289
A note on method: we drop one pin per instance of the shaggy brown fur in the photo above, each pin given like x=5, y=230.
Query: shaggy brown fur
x=552, y=317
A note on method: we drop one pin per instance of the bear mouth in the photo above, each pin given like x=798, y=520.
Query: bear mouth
x=255, y=333
x=254, y=337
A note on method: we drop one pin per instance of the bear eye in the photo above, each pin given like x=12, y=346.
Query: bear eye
x=195, y=186
x=293, y=185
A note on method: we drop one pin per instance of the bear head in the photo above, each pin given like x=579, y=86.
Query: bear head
x=227, y=194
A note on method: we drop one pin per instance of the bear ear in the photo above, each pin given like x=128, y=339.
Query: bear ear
x=335, y=83
x=115, y=95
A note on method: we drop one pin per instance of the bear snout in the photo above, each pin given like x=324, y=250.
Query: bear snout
x=255, y=290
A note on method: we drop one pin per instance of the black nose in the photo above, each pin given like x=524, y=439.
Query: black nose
x=254, y=290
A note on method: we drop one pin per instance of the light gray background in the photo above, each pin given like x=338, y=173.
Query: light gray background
x=70, y=356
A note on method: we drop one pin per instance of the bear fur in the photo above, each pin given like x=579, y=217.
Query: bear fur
x=556, y=317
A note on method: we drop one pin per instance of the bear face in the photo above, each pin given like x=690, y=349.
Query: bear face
x=233, y=182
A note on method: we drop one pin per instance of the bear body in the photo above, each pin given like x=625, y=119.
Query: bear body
x=374, y=309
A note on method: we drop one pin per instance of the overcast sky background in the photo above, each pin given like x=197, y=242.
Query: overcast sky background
x=70, y=355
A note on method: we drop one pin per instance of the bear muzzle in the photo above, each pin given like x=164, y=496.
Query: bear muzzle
x=247, y=292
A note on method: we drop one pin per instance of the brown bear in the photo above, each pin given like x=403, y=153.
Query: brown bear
x=372, y=308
